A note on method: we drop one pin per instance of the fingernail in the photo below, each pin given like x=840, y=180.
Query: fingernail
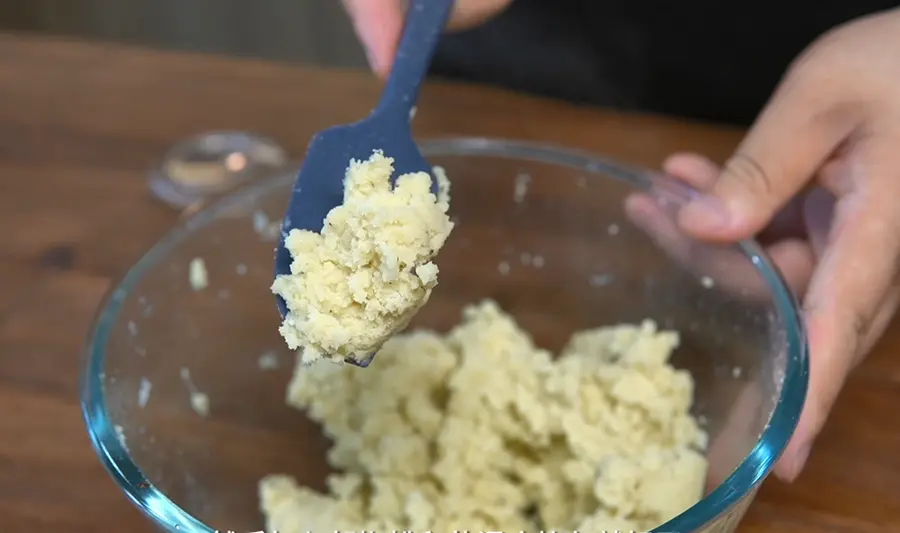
x=706, y=212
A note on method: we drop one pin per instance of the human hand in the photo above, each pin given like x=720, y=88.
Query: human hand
x=785, y=240
x=789, y=241
x=378, y=24
x=834, y=120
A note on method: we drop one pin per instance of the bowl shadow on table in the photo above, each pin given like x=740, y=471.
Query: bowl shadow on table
x=559, y=257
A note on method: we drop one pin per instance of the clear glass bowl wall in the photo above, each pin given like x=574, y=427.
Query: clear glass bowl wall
x=156, y=341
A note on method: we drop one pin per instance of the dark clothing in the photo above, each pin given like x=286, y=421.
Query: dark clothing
x=709, y=59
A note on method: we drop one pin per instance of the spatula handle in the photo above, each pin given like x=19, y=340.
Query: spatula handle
x=425, y=22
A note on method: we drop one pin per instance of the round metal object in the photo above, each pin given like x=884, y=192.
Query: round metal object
x=214, y=163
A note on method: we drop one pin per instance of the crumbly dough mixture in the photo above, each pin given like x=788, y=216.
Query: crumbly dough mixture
x=370, y=269
x=479, y=430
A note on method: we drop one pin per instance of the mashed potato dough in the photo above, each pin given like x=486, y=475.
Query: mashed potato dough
x=480, y=430
x=370, y=269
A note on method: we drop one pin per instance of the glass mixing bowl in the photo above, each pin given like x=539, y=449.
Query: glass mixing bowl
x=184, y=390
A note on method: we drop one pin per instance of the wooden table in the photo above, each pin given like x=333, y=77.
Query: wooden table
x=79, y=126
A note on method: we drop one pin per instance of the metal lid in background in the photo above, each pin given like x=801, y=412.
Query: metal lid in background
x=211, y=164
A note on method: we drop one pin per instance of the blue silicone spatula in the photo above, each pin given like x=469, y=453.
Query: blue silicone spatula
x=320, y=184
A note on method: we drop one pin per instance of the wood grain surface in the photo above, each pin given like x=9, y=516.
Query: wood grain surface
x=80, y=124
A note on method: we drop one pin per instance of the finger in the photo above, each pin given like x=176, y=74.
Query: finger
x=882, y=319
x=818, y=212
x=793, y=257
x=854, y=278
x=796, y=261
x=795, y=457
x=470, y=13
x=702, y=173
x=739, y=426
x=696, y=170
x=796, y=132
x=726, y=267
x=377, y=24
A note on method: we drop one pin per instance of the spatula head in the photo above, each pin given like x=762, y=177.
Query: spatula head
x=320, y=183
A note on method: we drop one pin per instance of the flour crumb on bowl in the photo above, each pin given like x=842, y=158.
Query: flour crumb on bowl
x=200, y=403
x=266, y=229
x=521, y=187
x=199, y=400
x=600, y=280
x=197, y=274
x=120, y=434
x=144, y=392
x=268, y=361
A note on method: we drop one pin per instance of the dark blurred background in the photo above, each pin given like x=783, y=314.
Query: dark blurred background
x=305, y=31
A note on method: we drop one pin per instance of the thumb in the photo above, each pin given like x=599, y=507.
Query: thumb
x=377, y=24
x=800, y=127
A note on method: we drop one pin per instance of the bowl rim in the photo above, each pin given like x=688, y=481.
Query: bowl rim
x=740, y=484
